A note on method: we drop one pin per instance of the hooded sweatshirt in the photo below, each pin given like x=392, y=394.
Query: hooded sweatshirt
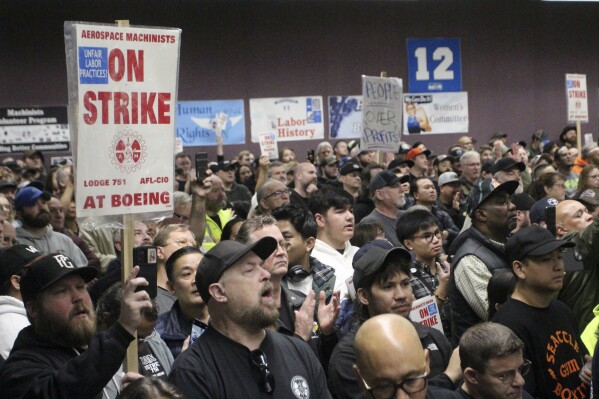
x=53, y=242
x=13, y=318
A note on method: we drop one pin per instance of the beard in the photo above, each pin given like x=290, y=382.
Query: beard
x=74, y=332
x=42, y=219
x=257, y=316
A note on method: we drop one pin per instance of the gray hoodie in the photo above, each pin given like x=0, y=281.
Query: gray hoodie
x=53, y=242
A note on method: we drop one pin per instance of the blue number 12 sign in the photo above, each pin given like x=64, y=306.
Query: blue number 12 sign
x=434, y=65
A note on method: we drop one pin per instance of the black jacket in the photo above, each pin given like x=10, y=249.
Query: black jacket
x=39, y=369
x=470, y=242
x=342, y=381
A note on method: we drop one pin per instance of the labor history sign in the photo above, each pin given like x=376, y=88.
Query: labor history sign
x=122, y=98
x=291, y=118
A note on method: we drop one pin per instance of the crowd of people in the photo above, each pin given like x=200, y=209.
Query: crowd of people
x=295, y=278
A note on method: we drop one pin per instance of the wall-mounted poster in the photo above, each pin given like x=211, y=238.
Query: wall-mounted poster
x=198, y=121
x=34, y=128
x=431, y=113
x=292, y=118
x=345, y=117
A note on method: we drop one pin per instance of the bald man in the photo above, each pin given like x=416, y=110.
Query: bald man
x=580, y=290
x=390, y=361
x=304, y=180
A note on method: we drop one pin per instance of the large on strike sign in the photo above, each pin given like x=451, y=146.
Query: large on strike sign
x=122, y=98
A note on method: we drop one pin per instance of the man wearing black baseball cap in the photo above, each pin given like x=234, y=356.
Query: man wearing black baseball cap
x=13, y=317
x=479, y=251
x=382, y=282
x=238, y=347
x=508, y=169
x=235, y=192
x=546, y=325
x=350, y=178
x=60, y=355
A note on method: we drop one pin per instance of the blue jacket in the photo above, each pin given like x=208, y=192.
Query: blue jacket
x=174, y=328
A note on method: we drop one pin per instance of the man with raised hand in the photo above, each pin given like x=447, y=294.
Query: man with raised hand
x=60, y=355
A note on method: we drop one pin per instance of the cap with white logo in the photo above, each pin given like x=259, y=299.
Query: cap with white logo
x=47, y=270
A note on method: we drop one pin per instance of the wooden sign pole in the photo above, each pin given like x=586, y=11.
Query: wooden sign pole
x=579, y=137
x=131, y=360
x=381, y=154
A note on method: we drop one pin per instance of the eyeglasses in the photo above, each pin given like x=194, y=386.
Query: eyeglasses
x=508, y=377
x=182, y=243
x=278, y=193
x=388, y=391
x=285, y=246
x=428, y=236
x=267, y=380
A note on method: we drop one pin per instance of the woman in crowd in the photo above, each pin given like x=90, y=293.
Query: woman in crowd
x=243, y=175
x=550, y=185
x=7, y=211
x=589, y=179
x=286, y=155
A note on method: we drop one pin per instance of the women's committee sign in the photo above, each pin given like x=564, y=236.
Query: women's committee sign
x=122, y=98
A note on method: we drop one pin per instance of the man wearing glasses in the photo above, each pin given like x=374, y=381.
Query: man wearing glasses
x=471, y=168
x=547, y=326
x=168, y=240
x=271, y=195
x=493, y=364
x=239, y=356
x=390, y=361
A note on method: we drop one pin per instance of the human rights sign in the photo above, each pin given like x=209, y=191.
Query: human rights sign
x=122, y=99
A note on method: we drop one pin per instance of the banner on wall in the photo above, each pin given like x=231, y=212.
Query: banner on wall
x=122, y=91
x=434, y=65
x=435, y=113
x=291, y=119
x=34, y=128
x=381, y=114
x=576, y=95
x=345, y=117
x=198, y=121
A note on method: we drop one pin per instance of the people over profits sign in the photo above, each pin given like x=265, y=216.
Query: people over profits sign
x=381, y=113
x=122, y=98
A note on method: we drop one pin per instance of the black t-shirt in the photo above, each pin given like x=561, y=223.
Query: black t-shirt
x=149, y=366
x=218, y=367
x=552, y=343
x=297, y=199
